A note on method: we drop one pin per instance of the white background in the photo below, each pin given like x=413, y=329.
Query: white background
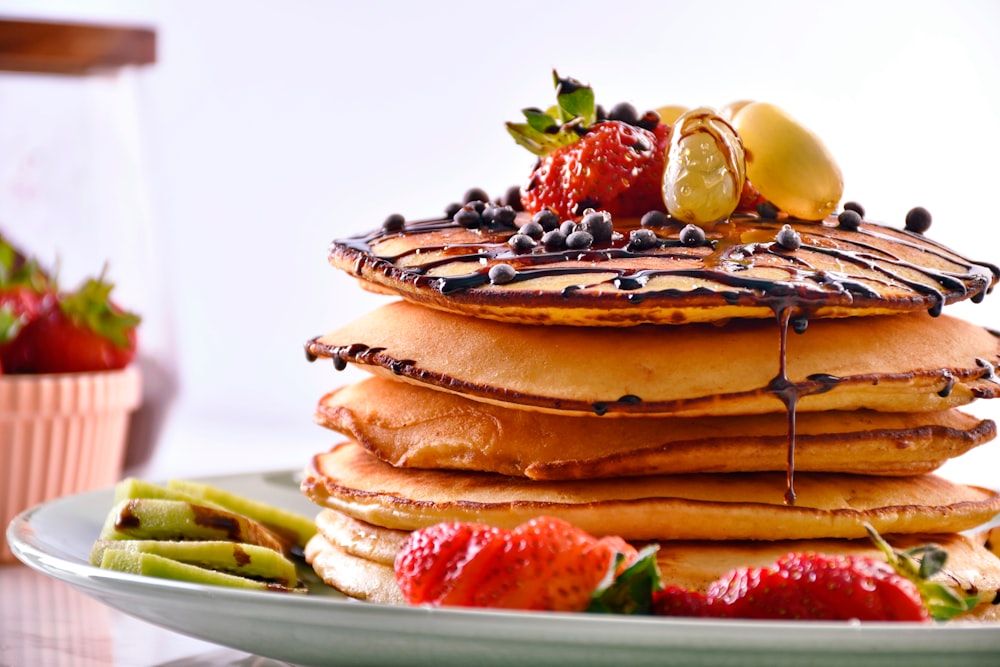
x=214, y=180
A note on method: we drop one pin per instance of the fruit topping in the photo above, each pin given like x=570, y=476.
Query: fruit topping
x=589, y=162
x=543, y=564
x=548, y=564
x=705, y=172
x=787, y=163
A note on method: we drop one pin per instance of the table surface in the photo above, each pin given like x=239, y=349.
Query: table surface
x=45, y=622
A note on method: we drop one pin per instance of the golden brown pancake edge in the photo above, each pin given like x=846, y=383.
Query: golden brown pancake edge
x=408, y=425
x=726, y=506
x=738, y=272
x=900, y=363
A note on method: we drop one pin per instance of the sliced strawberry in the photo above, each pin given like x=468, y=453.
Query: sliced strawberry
x=543, y=564
x=430, y=558
x=680, y=601
x=809, y=586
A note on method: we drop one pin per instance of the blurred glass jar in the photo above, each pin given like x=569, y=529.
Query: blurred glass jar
x=75, y=186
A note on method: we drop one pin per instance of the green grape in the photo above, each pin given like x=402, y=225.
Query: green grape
x=787, y=163
x=705, y=171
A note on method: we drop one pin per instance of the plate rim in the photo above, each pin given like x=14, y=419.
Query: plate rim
x=607, y=632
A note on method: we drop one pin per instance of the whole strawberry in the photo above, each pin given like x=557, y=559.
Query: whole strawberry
x=590, y=162
x=543, y=564
x=74, y=332
x=25, y=290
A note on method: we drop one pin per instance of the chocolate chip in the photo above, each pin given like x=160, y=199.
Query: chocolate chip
x=501, y=274
x=547, y=218
x=394, y=223
x=654, y=219
x=599, y=225
x=554, y=239
x=512, y=198
x=692, y=235
x=849, y=219
x=532, y=229
x=767, y=210
x=469, y=218
x=856, y=207
x=918, y=220
x=579, y=240
x=475, y=194
x=624, y=112
x=788, y=238
x=520, y=243
x=642, y=239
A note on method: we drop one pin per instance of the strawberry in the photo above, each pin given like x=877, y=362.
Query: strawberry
x=75, y=332
x=750, y=198
x=543, y=564
x=433, y=557
x=811, y=586
x=24, y=290
x=680, y=601
x=585, y=162
x=19, y=305
x=816, y=587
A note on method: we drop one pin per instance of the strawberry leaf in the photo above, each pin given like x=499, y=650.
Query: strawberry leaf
x=91, y=307
x=575, y=99
x=561, y=125
x=918, y=565
x=540, y=120
x=11, y=324
x=630, y=592
x=538, y=141
x=18, y=270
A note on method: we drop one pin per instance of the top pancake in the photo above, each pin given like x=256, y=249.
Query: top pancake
x=739, y=272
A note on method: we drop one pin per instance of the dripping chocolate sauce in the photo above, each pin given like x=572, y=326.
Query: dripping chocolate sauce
x=724, y=259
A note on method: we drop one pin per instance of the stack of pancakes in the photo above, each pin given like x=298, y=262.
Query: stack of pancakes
x=733, y=398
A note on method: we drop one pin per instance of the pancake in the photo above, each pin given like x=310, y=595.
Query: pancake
x=901, y=363
x=739, y=272
x=359, y=538
x=411, y=426
x=356, y=577
x=358, y=557
x=728, y=506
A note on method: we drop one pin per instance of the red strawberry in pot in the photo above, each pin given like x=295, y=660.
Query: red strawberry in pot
x=25, y=290
x=75, y=332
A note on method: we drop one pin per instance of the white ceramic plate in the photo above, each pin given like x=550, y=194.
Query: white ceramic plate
x=324, y=628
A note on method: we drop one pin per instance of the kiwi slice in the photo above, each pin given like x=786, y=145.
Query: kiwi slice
x=296, y=528
x=132, y=487
x=247, y=560
x=160, y=519
x=152, y=565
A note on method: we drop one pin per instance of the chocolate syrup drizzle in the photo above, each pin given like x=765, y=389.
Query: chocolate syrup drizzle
x=723, y=260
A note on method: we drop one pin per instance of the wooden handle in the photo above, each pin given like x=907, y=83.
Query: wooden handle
x=43, y=47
